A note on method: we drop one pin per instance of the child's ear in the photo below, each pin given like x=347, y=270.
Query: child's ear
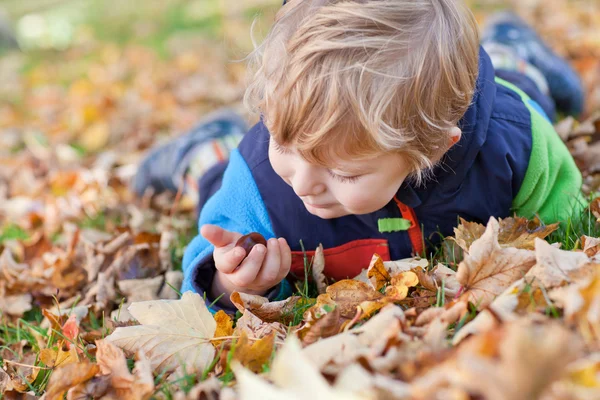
x=455, y=135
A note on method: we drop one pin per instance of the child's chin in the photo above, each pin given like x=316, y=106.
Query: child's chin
x=326, y=213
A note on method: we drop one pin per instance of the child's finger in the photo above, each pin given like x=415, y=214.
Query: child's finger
x=286, y=258
x=249, y=268
x=227, y=260
x=270, y=269
x=218, y=236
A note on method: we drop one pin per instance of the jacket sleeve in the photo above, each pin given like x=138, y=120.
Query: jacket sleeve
x=236, y=206
x=551, y=188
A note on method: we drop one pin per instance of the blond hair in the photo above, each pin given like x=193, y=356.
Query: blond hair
x=358, y=78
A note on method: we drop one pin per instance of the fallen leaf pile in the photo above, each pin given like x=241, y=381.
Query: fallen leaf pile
x=89, y=274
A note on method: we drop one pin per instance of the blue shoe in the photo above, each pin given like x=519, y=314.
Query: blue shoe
x=164, y=167
x=566, y=88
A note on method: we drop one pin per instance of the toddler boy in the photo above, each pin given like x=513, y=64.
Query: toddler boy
x=382, y=122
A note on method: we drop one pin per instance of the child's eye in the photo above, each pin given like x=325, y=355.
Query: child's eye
x=279, y=148
x=344, y=179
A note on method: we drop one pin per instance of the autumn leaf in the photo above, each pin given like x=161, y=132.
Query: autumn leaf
x=317, y=268
x=261, y=307
x=173, y=333
x=68, y=376
x=348, y=294
x=224, y=326
x=377, y=273
x=399, y=285
x=553, y=266
x=327, y=325
x=512, y=232
x=126, y=386
x=293, y=377
x=254, y=354
x=489, y=269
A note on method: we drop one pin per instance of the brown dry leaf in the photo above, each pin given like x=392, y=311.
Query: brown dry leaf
x=348, y=294
x=69, y=375
x=126, y=386
x=591, y=246
x=554, y=266
x=512, y=232
x=254, y=354
x=255, y=328
x=489, y=269
x=327, y=325
x=377, y=273
x=317, y=268
x=262, y=308
x=440, y=276
x=95, y=388
x=172, y=333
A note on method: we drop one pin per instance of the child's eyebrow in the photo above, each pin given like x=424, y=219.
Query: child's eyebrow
x=352, y=169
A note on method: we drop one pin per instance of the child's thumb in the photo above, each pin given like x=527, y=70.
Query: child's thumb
x=218, y=236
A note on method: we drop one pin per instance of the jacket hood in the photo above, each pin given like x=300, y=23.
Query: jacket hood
x=455, y=164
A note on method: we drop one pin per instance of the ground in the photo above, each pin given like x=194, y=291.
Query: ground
x=97, y=83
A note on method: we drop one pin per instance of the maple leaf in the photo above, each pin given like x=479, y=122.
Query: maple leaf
x=173, y=333
x=489, y=269
x=512, y=232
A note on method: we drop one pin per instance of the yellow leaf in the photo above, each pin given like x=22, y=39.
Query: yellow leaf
x=224, y=326
x=400, y=284
x=377, y=274
x=254, y=355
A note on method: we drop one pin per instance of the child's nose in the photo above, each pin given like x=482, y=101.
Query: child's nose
x=306, y=183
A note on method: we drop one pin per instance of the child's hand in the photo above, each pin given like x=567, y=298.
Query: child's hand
x=262, y=269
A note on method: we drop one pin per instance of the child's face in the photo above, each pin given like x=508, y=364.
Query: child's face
x=354, y=187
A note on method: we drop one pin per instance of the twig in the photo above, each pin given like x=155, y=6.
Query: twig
x=24, y=365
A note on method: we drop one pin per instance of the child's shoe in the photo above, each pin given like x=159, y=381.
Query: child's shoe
x=508, y=29
x=207, y=144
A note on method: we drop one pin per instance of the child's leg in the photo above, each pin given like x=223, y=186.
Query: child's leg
x=181, y=164
x=530, y=87
x=515, y=46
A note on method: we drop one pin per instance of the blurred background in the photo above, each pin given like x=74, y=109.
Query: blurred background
x=90, y=73
x=87, y=86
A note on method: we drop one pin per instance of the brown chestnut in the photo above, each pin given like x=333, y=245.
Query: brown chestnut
x=247, y=242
